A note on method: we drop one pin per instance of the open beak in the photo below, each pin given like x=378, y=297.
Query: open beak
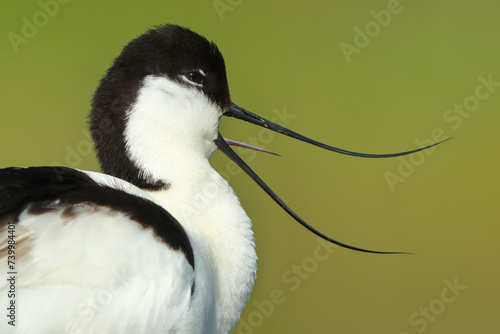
x=223, y=145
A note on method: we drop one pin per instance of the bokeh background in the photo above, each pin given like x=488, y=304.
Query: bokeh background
x=346, y=74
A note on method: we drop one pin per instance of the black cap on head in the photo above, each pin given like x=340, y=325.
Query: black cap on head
x=168, y=50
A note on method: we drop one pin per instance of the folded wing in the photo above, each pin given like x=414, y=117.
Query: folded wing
x=89, y=258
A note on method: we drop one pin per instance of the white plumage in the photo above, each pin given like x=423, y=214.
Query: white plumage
x=158, y=242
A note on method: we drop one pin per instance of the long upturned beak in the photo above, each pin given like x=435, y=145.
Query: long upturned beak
x=240, y=113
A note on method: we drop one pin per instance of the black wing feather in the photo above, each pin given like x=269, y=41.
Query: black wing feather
x=40, y=188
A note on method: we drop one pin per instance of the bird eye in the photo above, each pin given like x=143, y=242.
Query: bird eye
x=195, y=77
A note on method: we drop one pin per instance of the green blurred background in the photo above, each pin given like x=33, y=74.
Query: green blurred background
x=393, y=90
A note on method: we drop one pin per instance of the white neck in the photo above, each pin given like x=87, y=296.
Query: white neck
x=170, y=129
x=223, y=244
x=176, y=150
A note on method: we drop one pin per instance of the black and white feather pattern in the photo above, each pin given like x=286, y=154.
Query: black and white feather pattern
x=156, y=243
x=87, y=253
